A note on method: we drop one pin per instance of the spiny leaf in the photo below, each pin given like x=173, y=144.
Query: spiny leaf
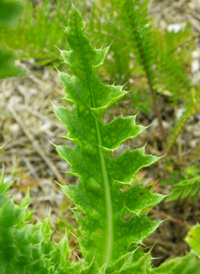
x=25, y=248
x=105, y=234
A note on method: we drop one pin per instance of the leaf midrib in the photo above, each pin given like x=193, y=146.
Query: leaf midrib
x=109, y=219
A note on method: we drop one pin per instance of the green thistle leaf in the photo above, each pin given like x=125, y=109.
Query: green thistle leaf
x=106, y=235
